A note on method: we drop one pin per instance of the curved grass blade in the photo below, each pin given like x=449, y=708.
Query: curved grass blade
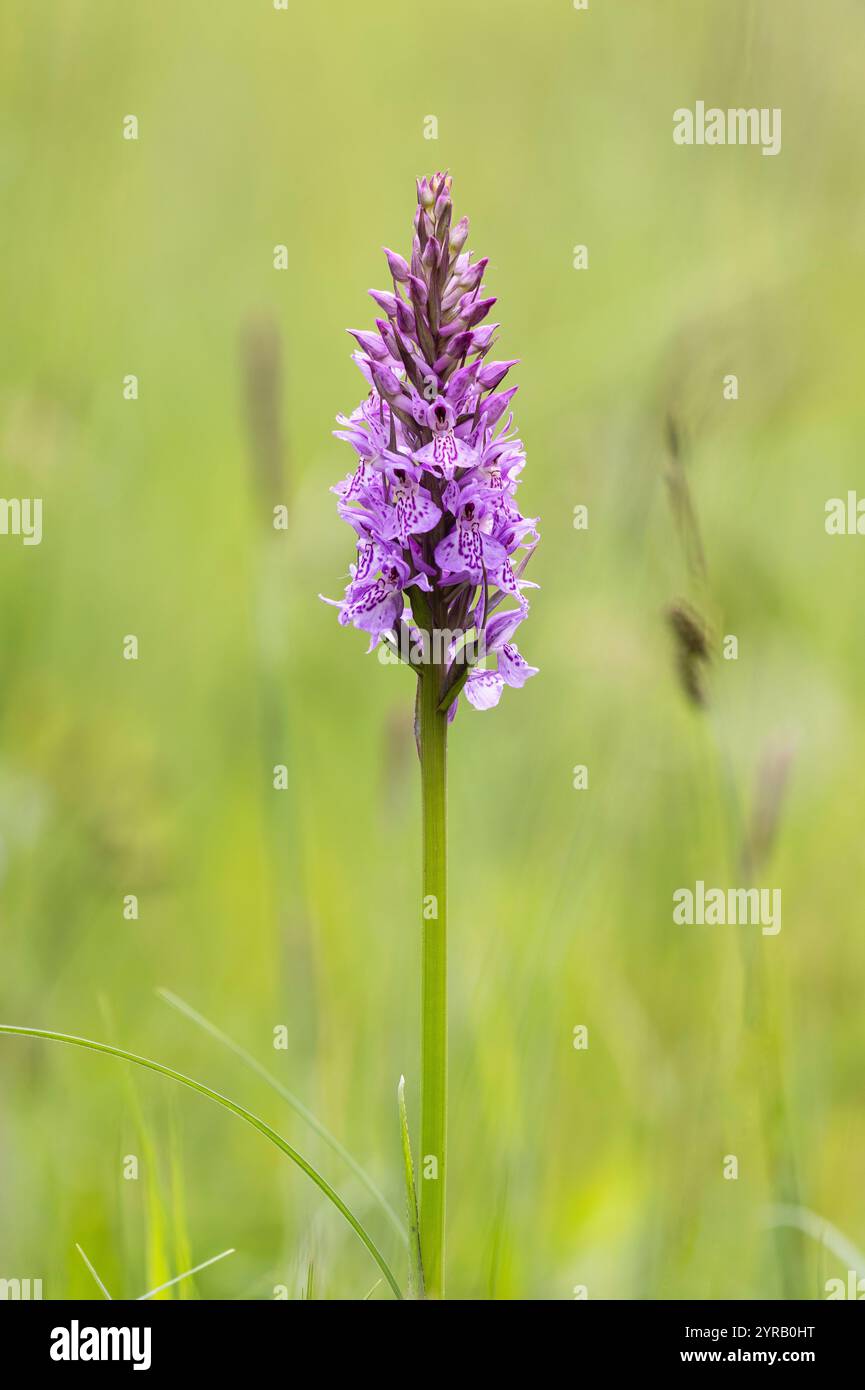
x=321, y=1183
x=803, y=1219
x=297, y=1105
x=415, y=1264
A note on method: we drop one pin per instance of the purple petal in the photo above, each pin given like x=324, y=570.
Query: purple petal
x=513, y=668
x=483, y=689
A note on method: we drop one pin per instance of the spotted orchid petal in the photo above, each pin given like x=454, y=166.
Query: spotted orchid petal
x=483, y=689
x=513, y=668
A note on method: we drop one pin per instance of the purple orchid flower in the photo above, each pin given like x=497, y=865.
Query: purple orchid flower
x=468, y=550
x=442, y=545
x=484, y=688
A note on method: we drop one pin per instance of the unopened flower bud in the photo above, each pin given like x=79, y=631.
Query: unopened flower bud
x=431, y=252
x=459, y=236
x=385, y=301
x=386, y=382
x=492, y=373
x=417, y=289
x=371, y=345
x=473, y=313
x=398, y=265
x=404, y=317
x=495, y=406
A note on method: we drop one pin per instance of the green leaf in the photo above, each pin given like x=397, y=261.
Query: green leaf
x=321, y=1183
x=415, y=1264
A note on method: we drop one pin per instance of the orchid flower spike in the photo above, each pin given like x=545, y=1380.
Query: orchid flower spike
x=441, y=544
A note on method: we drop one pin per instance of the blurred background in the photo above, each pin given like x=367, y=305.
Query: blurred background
x=601, y=1167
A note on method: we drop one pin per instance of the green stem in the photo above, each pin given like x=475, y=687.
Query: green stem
x=432, y=742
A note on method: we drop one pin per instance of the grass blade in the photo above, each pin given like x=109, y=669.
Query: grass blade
x=296, y=1104
x=321, y=1183
x=415, y=1264
x=182, y=1243
x=158, y=1263
x=802, y=1219
x=105, y=1293
x=185, y=1275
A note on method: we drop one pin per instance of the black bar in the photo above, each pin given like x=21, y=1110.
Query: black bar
x=248, y=1338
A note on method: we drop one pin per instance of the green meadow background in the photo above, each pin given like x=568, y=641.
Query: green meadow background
x=601, y=1167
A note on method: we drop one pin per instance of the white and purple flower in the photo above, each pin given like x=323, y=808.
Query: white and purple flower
x=432, y=496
